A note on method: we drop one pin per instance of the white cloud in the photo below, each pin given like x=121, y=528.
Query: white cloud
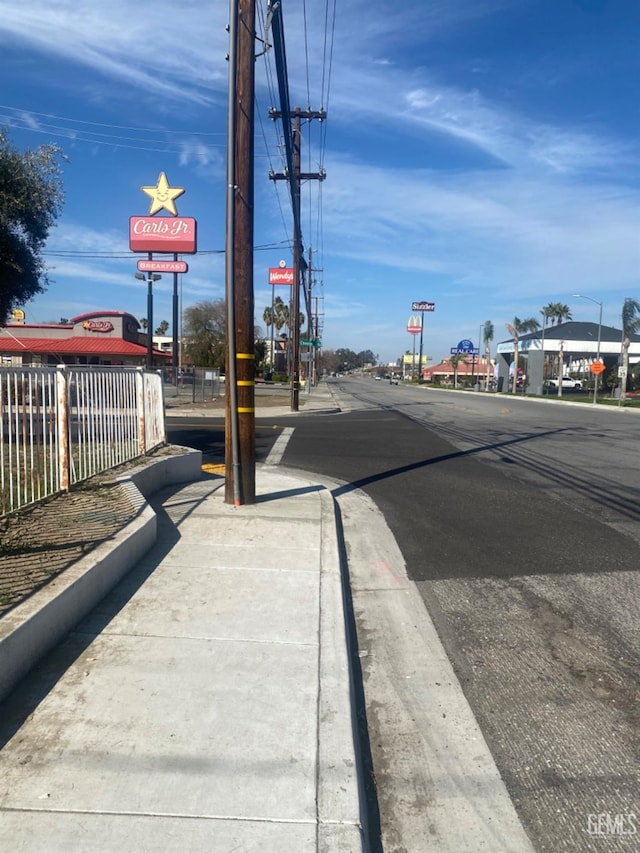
x=208, y=160
x=173, y=51
x=502, y=226
x=70, y=236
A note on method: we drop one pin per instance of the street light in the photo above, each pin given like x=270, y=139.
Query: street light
x=150, y=278
x=595, y=384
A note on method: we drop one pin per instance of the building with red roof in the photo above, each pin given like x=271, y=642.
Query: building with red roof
x=97, y=338
x=468, y=371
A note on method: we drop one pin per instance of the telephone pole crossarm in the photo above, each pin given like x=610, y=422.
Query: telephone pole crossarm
x=303, y=176
x=298, y=113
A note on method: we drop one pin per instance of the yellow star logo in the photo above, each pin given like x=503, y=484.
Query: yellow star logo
x=162, y=196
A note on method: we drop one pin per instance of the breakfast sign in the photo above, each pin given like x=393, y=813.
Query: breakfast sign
x=166, y=234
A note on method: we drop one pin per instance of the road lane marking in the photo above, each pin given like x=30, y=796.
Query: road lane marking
x=280, y=445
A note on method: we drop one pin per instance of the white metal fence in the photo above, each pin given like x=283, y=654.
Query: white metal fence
x=60, y=425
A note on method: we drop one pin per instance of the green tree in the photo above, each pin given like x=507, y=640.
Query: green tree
x=367, y=357
x=162, y=329
x=487, y=337
x=630, y=326
x=557, y=312
x=31, y=199
x=516, y=328
x=456, y=360
x=261, y=351
x=328, y=361
x=204, y=330
x=276, y=315
x=348, y=359
x=547, y=312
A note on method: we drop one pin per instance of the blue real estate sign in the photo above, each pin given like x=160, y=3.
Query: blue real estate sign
x=465, y=347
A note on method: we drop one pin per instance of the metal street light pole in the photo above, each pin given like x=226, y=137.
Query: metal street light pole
x=595, y=383
x=174, y=326
x=151, y=277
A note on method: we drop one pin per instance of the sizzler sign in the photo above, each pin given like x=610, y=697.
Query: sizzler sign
x=163, y=234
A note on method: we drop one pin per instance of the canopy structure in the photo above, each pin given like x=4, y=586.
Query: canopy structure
x=576, y=344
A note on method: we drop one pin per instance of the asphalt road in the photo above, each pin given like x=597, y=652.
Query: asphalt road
x=519, y=523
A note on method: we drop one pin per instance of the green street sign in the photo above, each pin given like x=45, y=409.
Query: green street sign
x=306, y=343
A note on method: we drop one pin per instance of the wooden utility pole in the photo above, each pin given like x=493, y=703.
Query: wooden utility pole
x=310, y=371
x=294, y=308
x=294, y=180
x=240, y=373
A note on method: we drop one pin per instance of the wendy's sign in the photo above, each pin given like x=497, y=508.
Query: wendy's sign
x=163, y=234
x=280, y=275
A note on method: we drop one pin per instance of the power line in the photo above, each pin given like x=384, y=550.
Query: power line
x=176, y=143
x=119, y=256
x=100, y=124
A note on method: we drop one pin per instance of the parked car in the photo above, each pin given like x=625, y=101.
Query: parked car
x=567, y=382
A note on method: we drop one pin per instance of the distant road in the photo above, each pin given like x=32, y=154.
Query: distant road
x=519, y=521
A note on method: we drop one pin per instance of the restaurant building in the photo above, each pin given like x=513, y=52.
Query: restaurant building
x=110, y=338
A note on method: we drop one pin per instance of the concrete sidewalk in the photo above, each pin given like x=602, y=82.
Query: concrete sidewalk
x=318, y=399
x=205, y=704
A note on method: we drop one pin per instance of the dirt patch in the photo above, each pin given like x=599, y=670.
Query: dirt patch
x=41, y=541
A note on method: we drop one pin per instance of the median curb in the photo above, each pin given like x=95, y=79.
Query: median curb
x=35, y=626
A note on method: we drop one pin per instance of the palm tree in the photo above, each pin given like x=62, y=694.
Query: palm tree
x=630, y=325
x=515, y=329
x=268, y=315
x=487, y=337
x=563, y=313
x=557, y=312
x=455, y=361
x=547, y=313
x=276, y=316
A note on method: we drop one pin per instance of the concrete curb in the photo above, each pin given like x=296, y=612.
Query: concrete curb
x=276, y=412
x=36, y=625
x=506, y=397
x=339, y=796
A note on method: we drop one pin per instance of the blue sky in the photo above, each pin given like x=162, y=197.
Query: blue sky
x=480, y=154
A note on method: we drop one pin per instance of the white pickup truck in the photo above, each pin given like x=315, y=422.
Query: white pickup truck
x=567, y=382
